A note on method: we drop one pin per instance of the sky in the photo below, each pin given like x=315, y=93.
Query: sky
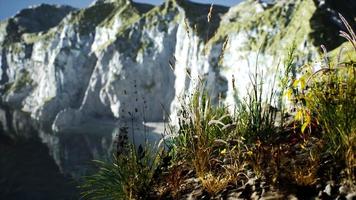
x=9, y=8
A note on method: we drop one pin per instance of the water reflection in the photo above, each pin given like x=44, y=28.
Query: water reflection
x=73, y=149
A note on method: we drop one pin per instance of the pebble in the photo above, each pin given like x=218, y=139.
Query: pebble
x=343, y=190
x=250, y=173
x=324, y=196
x=272, y=196
x=351, y=196
x=251, y=181
x=255, y=196
x=233, y=196
x=328, y=189
x=292, y=197
x=341, y=197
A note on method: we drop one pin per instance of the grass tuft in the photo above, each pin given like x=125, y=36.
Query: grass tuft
x=129, y=176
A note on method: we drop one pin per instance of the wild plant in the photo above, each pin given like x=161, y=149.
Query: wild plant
x=175, y=180
x=303, y=171
x=214, y=183
x=261, y=124
x=129, y=176
x=255, y=115
x=329, y=96
x=201, y=126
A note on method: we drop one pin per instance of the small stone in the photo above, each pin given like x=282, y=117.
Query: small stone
x=344, y=190
x=324, y=196
x=263, y=192
x=250, y=173
x=251, y=181
x=218, y=196
x=341, y=197
x=292, y=197
x=196, y=193
x=264, y=184
x=320, y=194
x=272, y=196
x=351, y=196
x=328, y=189
x=233, y=196
x=255, y=196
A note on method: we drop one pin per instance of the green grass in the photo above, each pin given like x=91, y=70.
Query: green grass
x=128, y=176
x=328, y=96
x=200, y=124
x=20, y=82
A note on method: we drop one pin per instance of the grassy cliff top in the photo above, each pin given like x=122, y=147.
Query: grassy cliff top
x=267, y=27
x=104, y=14
x=34, y=20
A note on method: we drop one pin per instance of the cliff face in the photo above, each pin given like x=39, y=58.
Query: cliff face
x=111, y=61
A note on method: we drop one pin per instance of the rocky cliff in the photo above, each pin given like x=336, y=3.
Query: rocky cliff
x=121, y=60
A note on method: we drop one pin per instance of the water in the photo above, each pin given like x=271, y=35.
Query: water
x=28, y=172
x=50, y=165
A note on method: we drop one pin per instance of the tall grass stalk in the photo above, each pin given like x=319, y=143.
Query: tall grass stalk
x=200, y=124
x=255, y=115
x=329, y=95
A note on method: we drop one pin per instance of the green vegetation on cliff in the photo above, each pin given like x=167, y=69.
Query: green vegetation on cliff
x=269, y=29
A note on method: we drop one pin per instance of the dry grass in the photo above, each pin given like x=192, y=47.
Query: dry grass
x=328, y=96
x=305, y=173
x=214, y=184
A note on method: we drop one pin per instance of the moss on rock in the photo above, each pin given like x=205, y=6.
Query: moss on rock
x=88, y=18
x=24, y=79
